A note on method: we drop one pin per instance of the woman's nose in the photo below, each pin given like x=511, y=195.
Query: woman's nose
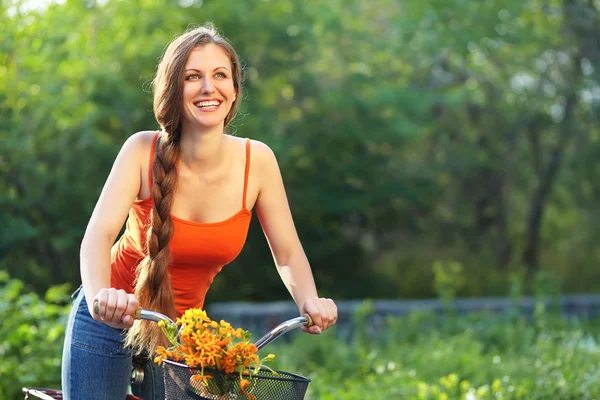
x=207, y=86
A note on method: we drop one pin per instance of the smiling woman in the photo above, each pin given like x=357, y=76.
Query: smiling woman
x=187, y=193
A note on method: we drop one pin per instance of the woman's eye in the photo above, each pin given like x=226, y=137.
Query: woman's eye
x=220, y=75
x=192, y=77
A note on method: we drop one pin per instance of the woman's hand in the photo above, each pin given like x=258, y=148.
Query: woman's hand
x=114, y=307
x=323, y=312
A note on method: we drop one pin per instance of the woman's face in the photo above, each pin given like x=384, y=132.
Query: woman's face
x=208, y=91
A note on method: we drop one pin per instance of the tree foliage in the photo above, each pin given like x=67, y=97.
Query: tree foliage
x=407, y=133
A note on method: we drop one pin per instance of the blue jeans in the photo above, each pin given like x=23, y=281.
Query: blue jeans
x=96, y=365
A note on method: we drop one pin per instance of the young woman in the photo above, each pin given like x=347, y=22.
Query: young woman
x=187, y=193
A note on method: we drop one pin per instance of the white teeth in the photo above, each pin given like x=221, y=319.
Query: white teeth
x=210, y=103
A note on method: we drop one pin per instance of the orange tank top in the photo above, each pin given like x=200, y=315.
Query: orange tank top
x=198, y=250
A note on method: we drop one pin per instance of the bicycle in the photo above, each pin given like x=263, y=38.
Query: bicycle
x=267, y=384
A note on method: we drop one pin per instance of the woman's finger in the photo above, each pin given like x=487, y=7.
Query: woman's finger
x=315, y=309
x=120, y=306
x=132, y=306
x=111, y=304
x=330, y=312
x=99, y=305
x=311, y=309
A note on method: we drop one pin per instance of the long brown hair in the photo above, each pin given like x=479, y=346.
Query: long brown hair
x=153, y=284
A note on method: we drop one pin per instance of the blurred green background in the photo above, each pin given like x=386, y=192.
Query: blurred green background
x=429, y=148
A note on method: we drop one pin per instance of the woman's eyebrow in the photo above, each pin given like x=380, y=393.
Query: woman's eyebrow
x=197, y=70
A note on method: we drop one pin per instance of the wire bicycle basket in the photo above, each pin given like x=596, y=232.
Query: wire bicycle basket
x=266, y=385
x=184, y=382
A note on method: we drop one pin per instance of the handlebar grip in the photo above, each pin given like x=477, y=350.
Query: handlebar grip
x=136, y=315
x=310, y=322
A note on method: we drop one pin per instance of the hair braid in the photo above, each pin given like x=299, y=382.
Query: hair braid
x=153, y=285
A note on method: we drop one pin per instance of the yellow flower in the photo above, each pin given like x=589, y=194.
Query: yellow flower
x=244, y=383
x=449, y=381
x=496, y=385
x=423, y=390
x=465, y=386
x=225, y=325
x=483, y=391
x=200, y=377
x=207, y=344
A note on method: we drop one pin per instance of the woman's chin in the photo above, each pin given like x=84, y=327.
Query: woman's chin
x=203, y=124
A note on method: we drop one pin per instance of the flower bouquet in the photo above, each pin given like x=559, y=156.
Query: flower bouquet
x=221, y=359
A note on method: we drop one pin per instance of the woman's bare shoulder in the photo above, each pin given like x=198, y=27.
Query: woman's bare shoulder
x=139, y=143
x=261, y=155
x=141, y=138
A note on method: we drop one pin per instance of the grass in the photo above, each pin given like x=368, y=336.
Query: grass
x=416, y=357
x=423, y=356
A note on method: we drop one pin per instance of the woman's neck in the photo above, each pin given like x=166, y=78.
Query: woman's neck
x=202, y=150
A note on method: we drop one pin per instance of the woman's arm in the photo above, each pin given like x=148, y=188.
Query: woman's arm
x=274, y=213
x=119, y=192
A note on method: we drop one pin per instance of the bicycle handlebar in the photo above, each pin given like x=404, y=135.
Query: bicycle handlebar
x=284, y=327
x=269, y=337
x=148, y=315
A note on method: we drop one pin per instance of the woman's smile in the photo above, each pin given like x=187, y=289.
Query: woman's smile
x=208, y=105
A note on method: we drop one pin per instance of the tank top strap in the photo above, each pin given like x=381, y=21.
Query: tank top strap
x=246, y=172
x=151, y=161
